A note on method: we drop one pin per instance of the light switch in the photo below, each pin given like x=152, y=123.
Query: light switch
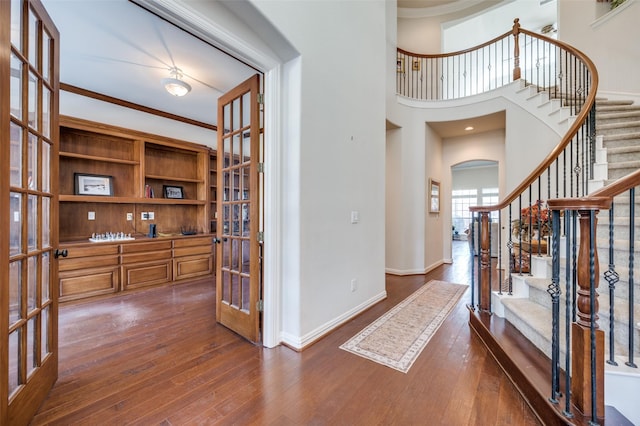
x=91, y=216
x=355, y=216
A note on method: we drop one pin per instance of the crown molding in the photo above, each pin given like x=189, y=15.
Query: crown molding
x=444, y=9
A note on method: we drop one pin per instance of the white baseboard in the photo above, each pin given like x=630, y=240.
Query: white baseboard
x=402, y=272
x=300, y=342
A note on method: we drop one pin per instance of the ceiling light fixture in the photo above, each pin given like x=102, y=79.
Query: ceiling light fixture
x=174, y=84
x=468, y=128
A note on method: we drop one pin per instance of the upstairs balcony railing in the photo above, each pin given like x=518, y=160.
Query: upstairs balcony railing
x=541, y=62
x=544, y=208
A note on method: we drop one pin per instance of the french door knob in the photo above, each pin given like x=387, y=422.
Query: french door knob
x=58, y=253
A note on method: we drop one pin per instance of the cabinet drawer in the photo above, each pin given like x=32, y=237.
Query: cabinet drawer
x=79, y=284
x=192, y=266
x=141, y=275
x=197, y=241
x=190, y=251
x=72, y=264
x=96, y=249
x=146, y=257
x=147, y=246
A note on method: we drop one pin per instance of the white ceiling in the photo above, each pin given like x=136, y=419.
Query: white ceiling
x=117, y=48
x=480, y=124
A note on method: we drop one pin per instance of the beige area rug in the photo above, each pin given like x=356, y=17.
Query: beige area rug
x=399, y=336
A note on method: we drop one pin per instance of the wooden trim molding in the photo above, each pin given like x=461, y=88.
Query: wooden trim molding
x=105, y=98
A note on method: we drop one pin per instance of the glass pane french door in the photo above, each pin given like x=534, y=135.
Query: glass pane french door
x=238, y=264
x=29, y=138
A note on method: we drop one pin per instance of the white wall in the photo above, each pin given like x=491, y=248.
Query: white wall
x=452, y=31
x=524, y=143
x=420, y=35
x=610, y=41
x=340, y=151
x=434, y=230
x=394, y=189
x=475, y=177
x=496, y=21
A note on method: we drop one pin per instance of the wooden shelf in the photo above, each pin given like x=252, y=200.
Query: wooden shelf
x=128, y=200
x=135, y=161
x=98, y=158
x=172, y=178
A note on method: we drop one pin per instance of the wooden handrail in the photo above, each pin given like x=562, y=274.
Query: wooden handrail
x=582, y=203
x=618, y=187
x=573, y=130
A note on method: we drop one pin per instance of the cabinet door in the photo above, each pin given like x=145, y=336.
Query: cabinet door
x=238, y=273
x=192, y=266
x=28, y=197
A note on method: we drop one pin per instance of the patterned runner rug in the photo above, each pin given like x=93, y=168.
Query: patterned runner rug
x=399, y=336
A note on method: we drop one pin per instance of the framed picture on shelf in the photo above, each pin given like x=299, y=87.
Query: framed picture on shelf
x=173, y=191
x=434, y=196
x=88, y=184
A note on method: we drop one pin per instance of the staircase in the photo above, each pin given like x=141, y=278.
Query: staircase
x=529, y=309
x=618, y=128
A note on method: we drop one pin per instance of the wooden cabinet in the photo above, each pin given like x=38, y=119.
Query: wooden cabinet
x=93, y=269
x=146, y=263
x=192, y=257
x=140, y=166
x=89, y=270
x=151, y=180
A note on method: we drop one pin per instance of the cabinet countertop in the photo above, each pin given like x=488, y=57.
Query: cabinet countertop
x=138, y=238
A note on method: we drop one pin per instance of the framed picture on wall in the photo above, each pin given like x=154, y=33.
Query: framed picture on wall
x=400, y=65
x=88, y=184
x=176, y=192
x=434, y=196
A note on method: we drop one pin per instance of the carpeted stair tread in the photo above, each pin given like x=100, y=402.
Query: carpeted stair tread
x=611, y=108
x=623, y=125
x=621, y=136
x=614, y=115
x=625, y=165
x=531, y=319
x=623, y=149
x=604, y=101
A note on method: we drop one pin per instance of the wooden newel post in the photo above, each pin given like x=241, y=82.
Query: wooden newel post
x=581, y=329
x=516, y=49
x=485, y=263
x=587, y=271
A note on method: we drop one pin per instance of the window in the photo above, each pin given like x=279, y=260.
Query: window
x=461, y=200
x=490, y=196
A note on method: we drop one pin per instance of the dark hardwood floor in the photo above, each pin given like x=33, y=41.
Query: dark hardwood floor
x=158, y=358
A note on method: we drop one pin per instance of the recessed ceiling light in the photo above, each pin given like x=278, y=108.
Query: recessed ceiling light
x=468, y=128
